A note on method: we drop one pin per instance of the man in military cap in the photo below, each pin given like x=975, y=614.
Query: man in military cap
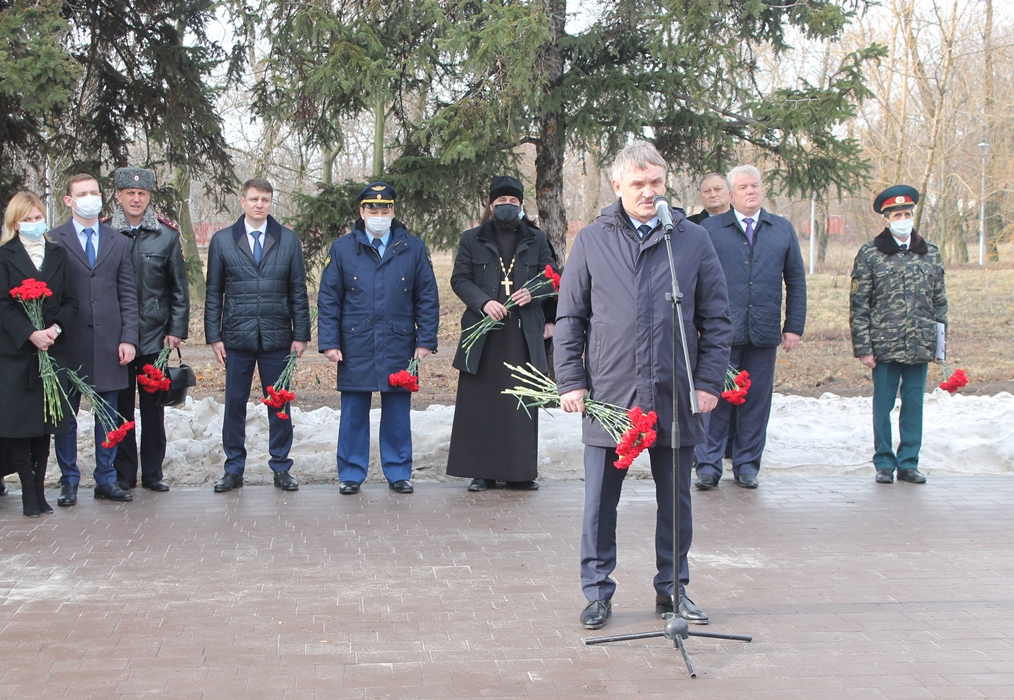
x=163, y=301
x=377, y=310
x=897, y=303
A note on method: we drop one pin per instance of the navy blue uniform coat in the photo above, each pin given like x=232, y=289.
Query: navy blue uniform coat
x=614, y=326
x=376, y=311
x=754, y=274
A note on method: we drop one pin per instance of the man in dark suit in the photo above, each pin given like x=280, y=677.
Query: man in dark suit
x=103, y=337
x=256, y=274
x=614, y=333
x=714, y=192
x=164, y=315
x=759, y=253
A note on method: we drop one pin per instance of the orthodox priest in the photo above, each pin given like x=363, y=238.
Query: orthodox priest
x=492, y=440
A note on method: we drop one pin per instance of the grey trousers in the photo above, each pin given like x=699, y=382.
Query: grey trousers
x=602, y=485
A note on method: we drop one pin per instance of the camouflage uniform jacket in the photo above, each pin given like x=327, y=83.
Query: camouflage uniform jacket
x=896, y=300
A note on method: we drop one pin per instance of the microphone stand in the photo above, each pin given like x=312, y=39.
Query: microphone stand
x=675, y=629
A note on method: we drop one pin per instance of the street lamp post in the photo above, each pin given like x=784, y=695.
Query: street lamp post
x=983, y=151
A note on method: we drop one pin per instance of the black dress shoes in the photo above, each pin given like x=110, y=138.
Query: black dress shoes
x=885, y=476
x=403, y=486
x=123, y=484
x=530, y=485
x=159, y=486
x=706, y=483
x=111, y=492
x=349, y=488
x=912, y=476
x=595, y=614
x=68, y=495
x=229, y=482
x=747, y=481
x=285, y=482
x=481, y=485
x=691, y=613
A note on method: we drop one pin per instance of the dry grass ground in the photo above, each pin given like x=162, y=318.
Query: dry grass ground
x=981, y=341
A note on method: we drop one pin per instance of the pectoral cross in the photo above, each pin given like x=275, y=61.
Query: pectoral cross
x=507, y=285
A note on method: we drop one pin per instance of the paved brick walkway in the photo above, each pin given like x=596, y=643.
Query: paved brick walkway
x=850, y=589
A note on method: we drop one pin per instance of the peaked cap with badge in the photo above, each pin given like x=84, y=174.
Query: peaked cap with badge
x=377, y=194
x=895, y=197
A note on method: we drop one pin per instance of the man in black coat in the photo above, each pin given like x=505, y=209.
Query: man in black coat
x=759, y=253
x=103, y=337
x=256, y=314
x=715, y=197
x=163, y=301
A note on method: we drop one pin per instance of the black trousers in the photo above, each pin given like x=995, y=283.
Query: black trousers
x=152, y=431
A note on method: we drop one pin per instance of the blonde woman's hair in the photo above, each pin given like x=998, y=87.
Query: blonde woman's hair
x=17, y=209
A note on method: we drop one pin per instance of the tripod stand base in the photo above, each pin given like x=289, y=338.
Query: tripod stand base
x=675, y=630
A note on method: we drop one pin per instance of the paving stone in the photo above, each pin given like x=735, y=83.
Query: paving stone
x=850, y=589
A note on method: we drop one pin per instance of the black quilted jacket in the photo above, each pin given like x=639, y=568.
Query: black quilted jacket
x=251, y=307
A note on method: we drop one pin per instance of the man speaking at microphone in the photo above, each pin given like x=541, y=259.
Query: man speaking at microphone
x=613, y=341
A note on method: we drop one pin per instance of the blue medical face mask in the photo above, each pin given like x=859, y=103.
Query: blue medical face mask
x=32, y=230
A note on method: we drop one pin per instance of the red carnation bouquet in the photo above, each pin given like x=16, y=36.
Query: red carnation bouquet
x=544, y=285
x=31, y=293
x=115, y=425
x=737, y=384
x=280, y=393
x=633, y=430
x=154, y=377
x=406, y=378
x=953, y=380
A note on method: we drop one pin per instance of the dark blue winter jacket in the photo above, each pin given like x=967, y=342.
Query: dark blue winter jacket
x=376, y=311
x=754, y=275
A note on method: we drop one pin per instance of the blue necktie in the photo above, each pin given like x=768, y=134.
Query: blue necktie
x=376, y=244
x=749, y=230
x=643, y=230
x=257, y=246
x=89, y=246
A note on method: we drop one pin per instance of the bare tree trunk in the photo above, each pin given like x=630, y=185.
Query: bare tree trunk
x=989, y=108
x=327, y=177
x=379, y=117
x=549, y=153
x=195, y=268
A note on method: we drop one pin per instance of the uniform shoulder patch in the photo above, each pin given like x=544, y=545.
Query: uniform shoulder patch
x=327, y=260
x=168, y=222
x=855, y=285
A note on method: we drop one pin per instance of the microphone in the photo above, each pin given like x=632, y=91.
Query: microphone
x=662, y=209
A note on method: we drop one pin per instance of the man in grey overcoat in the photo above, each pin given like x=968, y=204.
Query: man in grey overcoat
x=103, y=337
x=614, y=343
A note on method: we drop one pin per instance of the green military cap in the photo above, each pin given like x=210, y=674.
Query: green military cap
x=894, y=197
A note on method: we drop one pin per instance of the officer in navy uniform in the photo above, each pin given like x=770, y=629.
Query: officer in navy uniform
x=377, y=310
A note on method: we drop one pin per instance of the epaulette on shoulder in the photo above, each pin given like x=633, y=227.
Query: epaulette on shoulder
x=169, y=222
x=105, y=219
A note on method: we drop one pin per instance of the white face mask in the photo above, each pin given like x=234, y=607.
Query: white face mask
x=378, y=225
x=903, y=228
x=89, y=206
x=32, y=230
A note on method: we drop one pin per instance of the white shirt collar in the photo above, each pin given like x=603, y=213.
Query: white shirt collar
x=739, y=218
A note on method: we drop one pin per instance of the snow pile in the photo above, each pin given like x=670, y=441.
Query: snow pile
x=829, y=435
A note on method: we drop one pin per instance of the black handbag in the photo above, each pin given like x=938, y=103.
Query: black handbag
x=181, y=379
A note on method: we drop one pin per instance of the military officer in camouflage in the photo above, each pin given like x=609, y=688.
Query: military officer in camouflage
x=897, y=299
